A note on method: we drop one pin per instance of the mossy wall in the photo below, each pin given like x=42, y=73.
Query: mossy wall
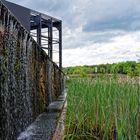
x=29, y=80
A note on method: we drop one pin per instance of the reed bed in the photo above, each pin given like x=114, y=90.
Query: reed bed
x=102, y=109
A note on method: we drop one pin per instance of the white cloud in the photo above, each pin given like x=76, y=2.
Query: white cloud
x=122, y=48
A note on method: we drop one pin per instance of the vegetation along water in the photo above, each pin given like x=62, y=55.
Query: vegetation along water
x=103, y=108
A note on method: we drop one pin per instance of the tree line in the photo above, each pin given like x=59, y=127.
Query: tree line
x=131, y=68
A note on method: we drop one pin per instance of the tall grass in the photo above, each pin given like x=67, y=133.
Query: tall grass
x=103, y=108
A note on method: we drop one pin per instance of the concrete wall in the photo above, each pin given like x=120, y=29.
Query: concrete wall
x=29, y=80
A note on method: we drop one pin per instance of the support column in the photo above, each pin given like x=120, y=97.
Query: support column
x=39, y=30
x=49, y=80
x=60, y=55
x=50, y=39
x=60, y=45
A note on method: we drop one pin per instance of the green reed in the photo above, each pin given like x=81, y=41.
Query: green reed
x=102, y=108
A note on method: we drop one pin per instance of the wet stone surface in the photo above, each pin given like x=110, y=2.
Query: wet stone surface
x=55, y=106
x=42, y=129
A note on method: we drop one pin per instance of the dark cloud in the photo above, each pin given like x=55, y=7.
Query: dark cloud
x=97, y=15
x=128, y=23
x=104, y=38
x=106, y=15
x=94, y=15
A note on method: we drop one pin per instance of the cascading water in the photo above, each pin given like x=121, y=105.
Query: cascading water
x=28, y=79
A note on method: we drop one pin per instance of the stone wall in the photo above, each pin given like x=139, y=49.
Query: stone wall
x=29, y=80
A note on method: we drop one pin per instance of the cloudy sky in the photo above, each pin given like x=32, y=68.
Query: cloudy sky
x=95, y=31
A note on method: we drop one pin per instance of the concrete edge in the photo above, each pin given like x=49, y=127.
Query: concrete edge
x=60, y=128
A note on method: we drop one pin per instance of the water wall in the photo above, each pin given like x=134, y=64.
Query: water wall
x=29, y=80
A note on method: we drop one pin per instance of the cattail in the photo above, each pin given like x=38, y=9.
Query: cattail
x=114, y=132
